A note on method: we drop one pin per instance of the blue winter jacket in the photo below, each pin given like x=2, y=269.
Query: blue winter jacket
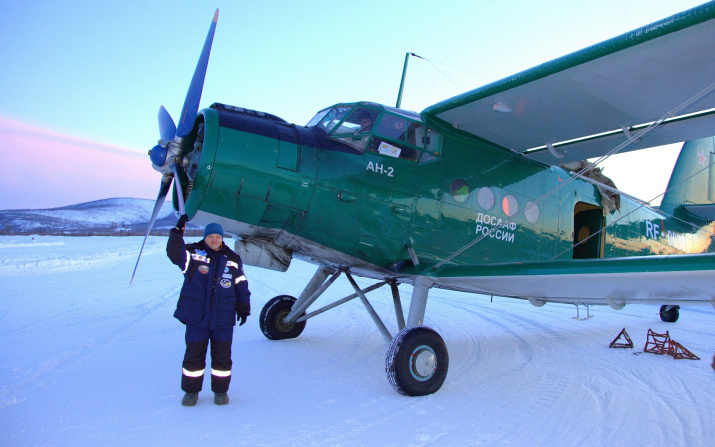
x=215, y=288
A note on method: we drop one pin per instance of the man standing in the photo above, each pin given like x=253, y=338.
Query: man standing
x=214, y=296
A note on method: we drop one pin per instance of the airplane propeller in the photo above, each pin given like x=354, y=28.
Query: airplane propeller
x=167, y=155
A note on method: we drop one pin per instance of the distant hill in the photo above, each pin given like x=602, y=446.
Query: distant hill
x=108, y=217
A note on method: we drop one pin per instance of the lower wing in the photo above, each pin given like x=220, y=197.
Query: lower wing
x=682, y=279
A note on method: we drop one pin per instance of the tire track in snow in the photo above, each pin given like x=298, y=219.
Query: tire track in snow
x=505, y=353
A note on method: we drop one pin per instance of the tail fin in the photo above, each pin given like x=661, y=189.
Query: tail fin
x=692, y=184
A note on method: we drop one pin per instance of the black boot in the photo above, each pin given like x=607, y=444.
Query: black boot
x=220, y=398
x=190, y=399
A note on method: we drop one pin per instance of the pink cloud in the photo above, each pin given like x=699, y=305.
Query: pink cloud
x=42, y=168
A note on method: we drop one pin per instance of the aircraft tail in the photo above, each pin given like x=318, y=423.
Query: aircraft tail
x=692, y=184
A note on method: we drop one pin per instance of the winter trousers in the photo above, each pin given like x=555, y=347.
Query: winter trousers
x=197, y=341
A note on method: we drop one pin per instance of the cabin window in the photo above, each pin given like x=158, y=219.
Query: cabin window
x=532, y=212
x=459, y=190
x=485, y=198
x=510, y=205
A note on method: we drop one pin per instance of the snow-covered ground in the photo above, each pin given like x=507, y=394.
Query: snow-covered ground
x=86, y=359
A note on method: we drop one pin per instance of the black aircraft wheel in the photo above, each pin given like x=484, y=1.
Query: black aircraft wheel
x=272, y=316
x=669, y=315
x=417, y=361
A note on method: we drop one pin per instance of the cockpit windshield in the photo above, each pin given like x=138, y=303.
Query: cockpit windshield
x=318, y=116
x=329, y=118
x=385, y=130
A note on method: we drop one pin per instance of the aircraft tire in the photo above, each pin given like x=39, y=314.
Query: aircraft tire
x=272, y=316
x=417, y=361
x=669, y=316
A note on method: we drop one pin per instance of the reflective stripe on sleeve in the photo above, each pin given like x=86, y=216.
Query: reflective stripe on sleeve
x=231, y=264
x=219, y=373
x=188, y=373
x=240, y=278
x=188, y=259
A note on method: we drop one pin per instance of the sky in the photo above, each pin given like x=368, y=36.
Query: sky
x=81, y=83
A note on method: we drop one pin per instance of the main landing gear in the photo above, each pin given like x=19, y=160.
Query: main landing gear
x=272, y=319
x=416, y=362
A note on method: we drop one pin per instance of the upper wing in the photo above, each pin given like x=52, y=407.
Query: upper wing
x=592, y=95
x=617, y=281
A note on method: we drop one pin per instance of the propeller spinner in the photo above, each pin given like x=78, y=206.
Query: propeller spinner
x=167, y=155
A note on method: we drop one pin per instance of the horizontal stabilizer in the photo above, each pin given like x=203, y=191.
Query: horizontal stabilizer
x=706, y=212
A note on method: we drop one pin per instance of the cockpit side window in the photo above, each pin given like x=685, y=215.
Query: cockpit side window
x=360, y=120
x=400, y=137
x=355, y=129
x=428, y=139
x=393, y=127
x=387, y=132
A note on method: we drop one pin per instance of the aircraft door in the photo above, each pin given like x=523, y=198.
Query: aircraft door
x=588, y=221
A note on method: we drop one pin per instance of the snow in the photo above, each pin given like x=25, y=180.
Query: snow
x=88, y=360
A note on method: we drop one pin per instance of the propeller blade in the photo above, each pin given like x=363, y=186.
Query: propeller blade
x=193, y=96
x=163, y=190
x=167, y=128
x=179, y=192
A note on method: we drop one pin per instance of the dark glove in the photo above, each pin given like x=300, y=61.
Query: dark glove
x=243, y=310
x=181, y=224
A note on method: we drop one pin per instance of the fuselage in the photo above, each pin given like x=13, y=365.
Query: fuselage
x=366, y=197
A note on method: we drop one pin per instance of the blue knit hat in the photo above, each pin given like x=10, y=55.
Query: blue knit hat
x=213, y=228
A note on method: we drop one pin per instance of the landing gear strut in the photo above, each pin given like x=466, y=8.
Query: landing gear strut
x=416, y=362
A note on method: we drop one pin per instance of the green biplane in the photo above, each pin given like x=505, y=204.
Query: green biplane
x=486, y=192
